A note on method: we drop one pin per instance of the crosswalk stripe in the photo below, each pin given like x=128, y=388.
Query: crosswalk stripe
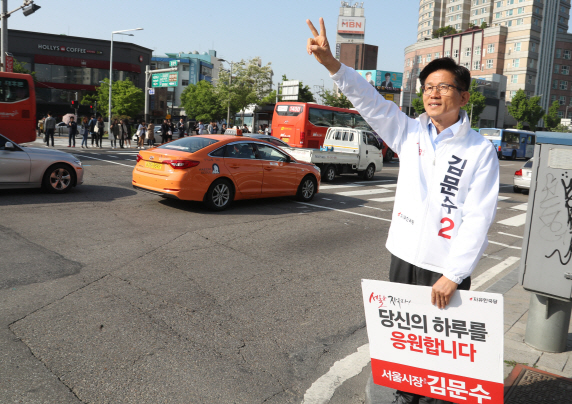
x=524, y=207
x=515, y=221
x=505, y=245
x=369, y=182
x=492, y=272
x=503, y=198
x=339, y=186
x=388, y=199
x=387, y=185
x=364, y=192
x=508, y=234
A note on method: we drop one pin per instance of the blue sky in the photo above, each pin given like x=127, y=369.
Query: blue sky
x=274, y=30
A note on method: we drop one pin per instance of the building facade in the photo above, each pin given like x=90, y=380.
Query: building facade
x=351, y=49
x=67, y=67
x=523, y=40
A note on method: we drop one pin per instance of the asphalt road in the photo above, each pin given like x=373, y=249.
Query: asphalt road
x=110, y=295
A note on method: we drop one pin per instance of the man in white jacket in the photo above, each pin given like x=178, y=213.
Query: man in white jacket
x=448, y=180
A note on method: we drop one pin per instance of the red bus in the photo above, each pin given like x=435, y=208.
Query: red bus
x=17, y=107
x=305, y=125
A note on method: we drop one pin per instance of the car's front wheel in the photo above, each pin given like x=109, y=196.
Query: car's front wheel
x=388, y=155
x=369, y=173
x=58, y=179
x=220, y=195
x=307, y=189
x=516, y=189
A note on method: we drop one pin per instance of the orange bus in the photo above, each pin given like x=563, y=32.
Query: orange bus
x=17, y=107
x=305, y=125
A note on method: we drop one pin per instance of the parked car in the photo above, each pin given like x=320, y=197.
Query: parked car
x=63, y=130
x=218, y=169
x=29, y=167
x=522, y=177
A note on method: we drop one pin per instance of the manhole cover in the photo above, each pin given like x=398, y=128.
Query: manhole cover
x=532, y=386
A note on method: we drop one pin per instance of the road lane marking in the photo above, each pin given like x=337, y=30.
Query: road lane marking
x=108, y=161
x=387, y=185
x=508, y=234
x=492, y=272
x=345, y=211
x=503, y=198
x=388, y=199
x=322, y=390
x=369, y=182
x=505, y=245
x=524, y=207
x=326, y=199
x=339, y=186
x=364, y=192
x=515, y=221
x=371, y=207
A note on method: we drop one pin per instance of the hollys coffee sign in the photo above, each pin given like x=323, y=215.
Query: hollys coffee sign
x=68, y=49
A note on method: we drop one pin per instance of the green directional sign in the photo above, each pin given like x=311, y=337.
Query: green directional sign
x=173, y=63
x=165, y=79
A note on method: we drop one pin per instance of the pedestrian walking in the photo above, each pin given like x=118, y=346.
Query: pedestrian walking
x=50, y=127
x=223, y=129
x=120, y=133
x=165, y=128
x=141, y=132
x=181, y=128
x=84, y=132
x=171, y=131
x=92, y=125
x=215, y=128
x=200, y=127
x=127, y=133
x=448, y=181
x=100, y=128
x=151, y=134
x=72, y=131
x=113, y=133
x=245, y=129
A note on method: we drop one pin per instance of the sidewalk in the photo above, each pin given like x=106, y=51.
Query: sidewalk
x=62, y=142
x=516, y=302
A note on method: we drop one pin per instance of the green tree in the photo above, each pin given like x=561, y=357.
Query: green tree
x=484, y=25
x=476, y=102
x=551, y=119
x=535, y=112
x=332, y=99
x=562, y=128
x=127, y=100
x=417, y=103
x=251, y=83
x=448, y=30
x=18, y=67
x=518, y=108
x=202, y=102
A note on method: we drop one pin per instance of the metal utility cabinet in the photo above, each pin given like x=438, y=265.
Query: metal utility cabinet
x=546, y=262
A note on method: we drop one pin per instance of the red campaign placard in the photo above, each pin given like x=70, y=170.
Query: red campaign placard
x=428, y=383
x=454, y=354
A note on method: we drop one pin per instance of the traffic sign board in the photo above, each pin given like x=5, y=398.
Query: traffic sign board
x=173, y=63
x=151, y=91
x=165, y=79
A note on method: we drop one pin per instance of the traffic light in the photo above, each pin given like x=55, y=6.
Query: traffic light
x=74, y=104
x=90, y=108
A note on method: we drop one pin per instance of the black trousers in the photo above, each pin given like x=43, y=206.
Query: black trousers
x=401, y=271
x=49, y=135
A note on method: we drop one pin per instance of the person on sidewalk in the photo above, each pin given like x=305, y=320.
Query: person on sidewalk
x=84, y=132
x=50, y=127
x=200, y=127
x=126, y=133
x=165, y=128
x=92, y=125
x=151, y=134
x=72, y=131
x=448, y=181
x=141, y=132
x=181, y=128
x=113, y=133
x=121, y=133
x=100, y=130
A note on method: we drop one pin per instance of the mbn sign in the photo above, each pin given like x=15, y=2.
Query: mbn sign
x=351, y=24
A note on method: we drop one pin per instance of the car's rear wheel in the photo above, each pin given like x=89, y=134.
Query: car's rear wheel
x=516, y=189
x=388, y=155
x=307, y=189
x=329, y=173
x=220, y=195
x=58, y=179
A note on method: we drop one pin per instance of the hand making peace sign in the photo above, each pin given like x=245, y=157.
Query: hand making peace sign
x=320, y=48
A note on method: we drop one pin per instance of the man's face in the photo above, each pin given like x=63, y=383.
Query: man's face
x=387, y=78
x=368, y=76
x=444, y=107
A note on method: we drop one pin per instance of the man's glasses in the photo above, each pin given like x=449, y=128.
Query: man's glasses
x=441, y=88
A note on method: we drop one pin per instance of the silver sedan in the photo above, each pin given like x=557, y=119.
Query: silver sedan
x=29, y=167
x=522, y=177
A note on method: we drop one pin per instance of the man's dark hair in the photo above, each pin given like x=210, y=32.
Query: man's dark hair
x=462, y=74
x=49, y=113
x=387, y=75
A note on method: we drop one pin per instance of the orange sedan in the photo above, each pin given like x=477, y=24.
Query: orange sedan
x=218, y=169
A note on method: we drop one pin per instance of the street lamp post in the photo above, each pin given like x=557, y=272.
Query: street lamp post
x=231, y=63
x=29, y=8
x=410, y=91
x=122, y=32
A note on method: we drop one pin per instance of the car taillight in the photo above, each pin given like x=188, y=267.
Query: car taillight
x=302, y=137
x=139, y=158
x=499, y=148
x=180, y=164
x=518, y=173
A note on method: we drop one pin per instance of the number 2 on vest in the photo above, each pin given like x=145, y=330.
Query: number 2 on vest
x=444, y=229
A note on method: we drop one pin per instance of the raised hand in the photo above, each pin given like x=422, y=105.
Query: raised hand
x=320, y=47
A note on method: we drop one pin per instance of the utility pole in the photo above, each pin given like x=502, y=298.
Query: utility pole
x=29, y=8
